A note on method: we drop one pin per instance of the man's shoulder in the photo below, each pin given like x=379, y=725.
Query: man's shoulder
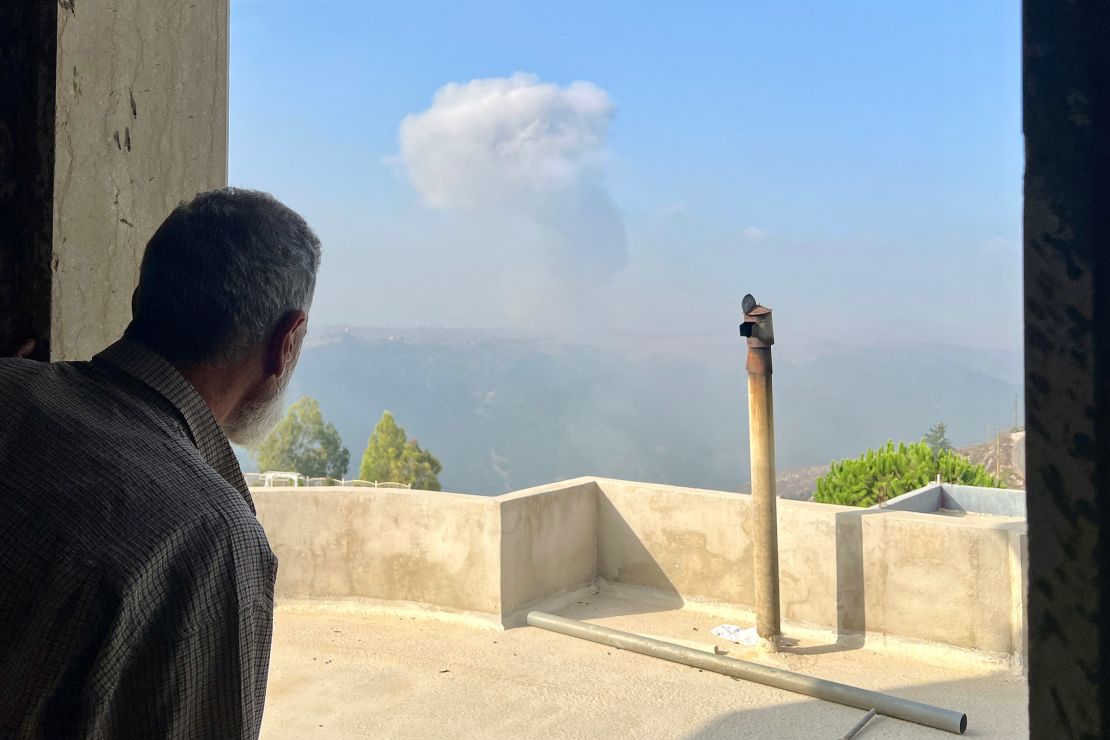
x=106, y=465
x=60, y=387
x=17, y=369
x=176, y=492
x=211, y=524
x=70, y=417
x=11, y=365
x=207, y=555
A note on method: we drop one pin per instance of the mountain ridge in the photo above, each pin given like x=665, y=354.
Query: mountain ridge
x=504, y=411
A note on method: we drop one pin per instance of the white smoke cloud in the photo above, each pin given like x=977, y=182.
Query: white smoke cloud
x=519, y=150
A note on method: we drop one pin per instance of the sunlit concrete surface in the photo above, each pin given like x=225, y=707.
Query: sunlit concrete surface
x=890, y=574
x=346, y=673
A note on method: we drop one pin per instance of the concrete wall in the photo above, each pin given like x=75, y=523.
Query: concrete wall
x=117, y=112
x=440, y=549
x=924, y=500
x=548, y=543
x=682, y=542
x=816, y=543
x=972, y=499
x=981, y=500
x=958, y=581
x=920, y=576
x=939, y=579
x=141, y=124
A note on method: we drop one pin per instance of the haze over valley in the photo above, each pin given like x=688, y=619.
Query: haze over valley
x=504, y=411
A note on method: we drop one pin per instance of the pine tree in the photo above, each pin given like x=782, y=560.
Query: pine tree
x=391, y=456
x=937, y=438
x=880, y=475
x=304, y=443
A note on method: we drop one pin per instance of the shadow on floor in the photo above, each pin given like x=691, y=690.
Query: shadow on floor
x=644, y=586
x=995, y=708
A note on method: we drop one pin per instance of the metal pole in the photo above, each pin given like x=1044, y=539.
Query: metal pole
x=853, y=696
x=998, y=456
x=757, y=327
x=761, y=425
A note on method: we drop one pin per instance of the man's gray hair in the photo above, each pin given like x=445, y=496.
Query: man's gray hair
x=220, y=273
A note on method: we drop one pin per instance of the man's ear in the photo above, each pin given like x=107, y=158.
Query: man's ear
x=285, y=343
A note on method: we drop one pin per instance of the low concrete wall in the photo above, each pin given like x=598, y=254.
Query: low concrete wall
x=815, y=541
x=972, y=499
x=925, y=577
x=924, y=500
x=683, y=542
x=939, y=579
x=548, y=544
x=996, y=501
x=958, y=581
x=440, y=549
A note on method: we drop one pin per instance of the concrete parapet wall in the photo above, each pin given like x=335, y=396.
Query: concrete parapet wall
x=938, y=579
x=682, y=541
x=924, y=500
x=548, y=543
x=956, y=581
x=954, y=497
x=997, y=501
x=810, y=537
x=414, y=546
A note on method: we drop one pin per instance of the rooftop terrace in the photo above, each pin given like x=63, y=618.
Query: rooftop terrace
x=343, y=671
x=401, y=612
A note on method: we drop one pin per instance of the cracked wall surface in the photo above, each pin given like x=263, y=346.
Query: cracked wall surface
x=140, y=125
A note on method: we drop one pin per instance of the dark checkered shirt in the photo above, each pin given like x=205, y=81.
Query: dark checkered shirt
x=136, y=584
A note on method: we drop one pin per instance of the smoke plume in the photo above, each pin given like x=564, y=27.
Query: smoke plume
x=525, y=159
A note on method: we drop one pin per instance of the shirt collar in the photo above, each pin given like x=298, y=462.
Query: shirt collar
x=149, y=367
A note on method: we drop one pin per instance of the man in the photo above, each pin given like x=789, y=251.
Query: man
x=136, y=584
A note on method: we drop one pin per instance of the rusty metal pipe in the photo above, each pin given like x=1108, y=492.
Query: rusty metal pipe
x=852, y=696
x=757, y=327
x=761, y=424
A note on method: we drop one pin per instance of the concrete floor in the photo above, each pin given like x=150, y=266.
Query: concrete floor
x=342, y=674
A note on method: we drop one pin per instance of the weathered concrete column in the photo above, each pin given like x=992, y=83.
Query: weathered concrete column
x=758, y=329
x=1067, y=364
x=110, y=114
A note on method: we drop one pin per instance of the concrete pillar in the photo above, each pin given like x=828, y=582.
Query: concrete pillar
x=113, y=112
x=1067, y=364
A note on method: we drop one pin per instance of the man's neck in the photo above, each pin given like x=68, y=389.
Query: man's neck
x=223, y=387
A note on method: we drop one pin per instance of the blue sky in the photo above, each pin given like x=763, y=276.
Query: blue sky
x=857, y=165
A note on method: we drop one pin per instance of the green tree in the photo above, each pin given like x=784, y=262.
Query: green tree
x=391, y=456
x=937, y=438
x=305, y=443
x=878, y=475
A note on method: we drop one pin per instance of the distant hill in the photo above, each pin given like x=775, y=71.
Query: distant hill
x=1004, y=456
x=506, y=412
x=798, y=484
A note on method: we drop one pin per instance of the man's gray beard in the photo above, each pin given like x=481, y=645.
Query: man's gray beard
x=252, y=422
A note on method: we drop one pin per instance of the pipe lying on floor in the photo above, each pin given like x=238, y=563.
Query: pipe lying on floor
x=885, y=704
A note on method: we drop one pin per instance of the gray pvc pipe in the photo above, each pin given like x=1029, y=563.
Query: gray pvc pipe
x=853, y=696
